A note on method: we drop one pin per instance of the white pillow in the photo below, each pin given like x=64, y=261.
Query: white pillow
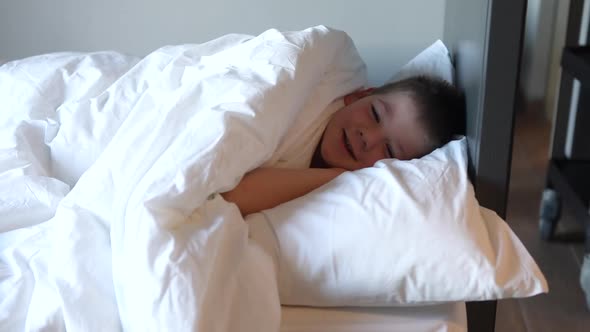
x=434, y=61
x=399, y=233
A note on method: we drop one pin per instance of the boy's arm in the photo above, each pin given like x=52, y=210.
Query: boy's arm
x=265, y=188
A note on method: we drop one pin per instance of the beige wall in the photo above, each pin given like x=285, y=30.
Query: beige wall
x=387, y=33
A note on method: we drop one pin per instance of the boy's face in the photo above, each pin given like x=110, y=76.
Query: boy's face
x=373, y=127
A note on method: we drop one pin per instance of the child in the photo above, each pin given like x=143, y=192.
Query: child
x=403, y=120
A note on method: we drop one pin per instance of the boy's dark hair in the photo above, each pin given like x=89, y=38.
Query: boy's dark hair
x=441, y=106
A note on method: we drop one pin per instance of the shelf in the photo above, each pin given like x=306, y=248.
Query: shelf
x=576, y=61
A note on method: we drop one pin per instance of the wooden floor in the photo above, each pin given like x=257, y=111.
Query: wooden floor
x=563, y=309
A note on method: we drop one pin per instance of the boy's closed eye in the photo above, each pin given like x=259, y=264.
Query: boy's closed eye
x=377, y=118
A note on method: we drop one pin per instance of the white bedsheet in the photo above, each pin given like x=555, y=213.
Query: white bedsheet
x=142, y=241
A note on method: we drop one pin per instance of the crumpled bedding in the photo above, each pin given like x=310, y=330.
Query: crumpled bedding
x=110, y=169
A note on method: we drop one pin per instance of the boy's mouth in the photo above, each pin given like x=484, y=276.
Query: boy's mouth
x=347, y=145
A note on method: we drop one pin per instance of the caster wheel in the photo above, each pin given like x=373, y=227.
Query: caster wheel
x=585, y=278
x=549, y=214
x=546, y=229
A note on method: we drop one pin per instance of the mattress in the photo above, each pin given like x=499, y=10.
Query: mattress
x=449, y=317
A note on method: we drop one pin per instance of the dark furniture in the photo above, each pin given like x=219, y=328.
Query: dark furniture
x=568, y=177
x=485, y=37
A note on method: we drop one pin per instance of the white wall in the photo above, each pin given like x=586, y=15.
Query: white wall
x=557, y=44
x=540, y=18
x=388, y=33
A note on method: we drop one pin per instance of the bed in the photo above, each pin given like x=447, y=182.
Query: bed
x=484, y=37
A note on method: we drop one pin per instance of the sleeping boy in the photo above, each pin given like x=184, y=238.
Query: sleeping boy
x=404, y=120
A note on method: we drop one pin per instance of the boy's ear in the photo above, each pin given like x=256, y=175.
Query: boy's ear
x=356, y=95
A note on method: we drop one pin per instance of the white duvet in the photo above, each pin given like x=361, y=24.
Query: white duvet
x=110, y=169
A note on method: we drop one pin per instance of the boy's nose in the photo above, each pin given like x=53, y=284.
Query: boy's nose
x=371, y=138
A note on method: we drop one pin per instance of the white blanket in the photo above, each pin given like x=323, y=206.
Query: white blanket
x=142, y=241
